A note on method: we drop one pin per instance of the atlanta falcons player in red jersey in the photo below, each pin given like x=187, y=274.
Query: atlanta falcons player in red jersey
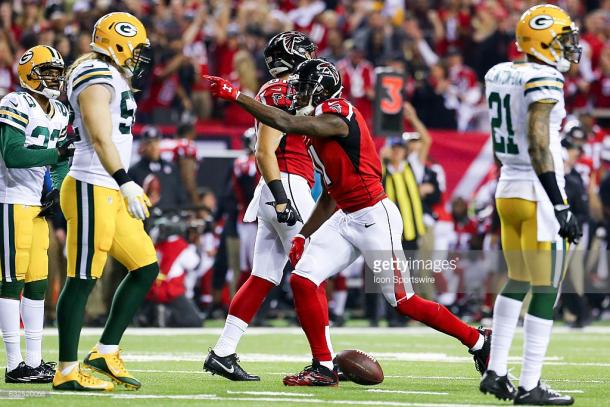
x=281, y=201
x=367, y=223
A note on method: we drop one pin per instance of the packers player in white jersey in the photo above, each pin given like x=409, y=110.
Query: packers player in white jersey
x=104, y=208
x=32, y=137
x=526, y=106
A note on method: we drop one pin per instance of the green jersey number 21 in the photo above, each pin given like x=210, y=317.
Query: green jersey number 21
x=501, y=107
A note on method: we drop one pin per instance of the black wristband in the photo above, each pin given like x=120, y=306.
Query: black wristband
x=277, y=189
x=121, y=177
x=549, y=183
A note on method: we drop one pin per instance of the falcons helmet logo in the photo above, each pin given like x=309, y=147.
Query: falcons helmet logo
x=292, y=44
x=328, y=70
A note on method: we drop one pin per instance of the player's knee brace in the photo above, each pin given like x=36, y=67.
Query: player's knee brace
x=11, y=289
x=35, y=290
x=543, y=301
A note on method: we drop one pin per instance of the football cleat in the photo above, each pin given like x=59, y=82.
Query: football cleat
x=227, y=367
x=80, y=380
x=541, y=395
x=313, y=375
x=340, y=375
x=48, y=367
x=499, y=386
x=112, y=366
x=21, y=374
x=481, y=356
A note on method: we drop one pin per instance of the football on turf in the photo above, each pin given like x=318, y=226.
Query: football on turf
x=360, y=367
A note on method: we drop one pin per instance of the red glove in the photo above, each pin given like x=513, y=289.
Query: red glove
x=222, y=88
x=296, y=250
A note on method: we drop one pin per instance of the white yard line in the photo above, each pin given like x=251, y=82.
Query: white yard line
x=303, y=358
x=255, y=331
x=270, y=393
x=214, y=397
x=473, y=378
x=438, y=393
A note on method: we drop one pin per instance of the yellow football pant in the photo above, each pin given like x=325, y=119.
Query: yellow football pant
x=528, y=260
x=24, y=238
x=98, y=225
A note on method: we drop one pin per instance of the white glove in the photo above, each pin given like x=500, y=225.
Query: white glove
x=136, y=200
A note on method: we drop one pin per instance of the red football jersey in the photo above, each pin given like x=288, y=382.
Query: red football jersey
x=350, y=166
x=291, y=154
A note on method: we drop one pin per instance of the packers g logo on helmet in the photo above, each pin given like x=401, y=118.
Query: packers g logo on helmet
x=26, y=57
x=41, y=70
x=122, y=37
x=547, y=33
x=126, y=29
x=541, y=22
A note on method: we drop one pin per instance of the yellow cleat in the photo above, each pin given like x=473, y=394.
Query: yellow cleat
x=79, y=380
x=112, y=366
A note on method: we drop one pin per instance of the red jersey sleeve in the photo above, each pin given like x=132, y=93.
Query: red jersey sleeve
x=340, y=107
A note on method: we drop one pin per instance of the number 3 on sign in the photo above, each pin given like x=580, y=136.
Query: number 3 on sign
x=391, y=102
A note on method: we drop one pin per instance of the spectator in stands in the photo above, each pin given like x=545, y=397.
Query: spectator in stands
x=166, y=304
x=576, y=90
x=435, y=100
x=163, y=86
x=335, y=50
x=579, y=202
x=403, y=172
x=601, y=86
x=159, y=178
x=489, y=44
x=468, y=91
x=185, y=158
x=7, y=75
x=358, y=77
x=244, y=77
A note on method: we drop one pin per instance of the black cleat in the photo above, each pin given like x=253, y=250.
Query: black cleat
x=481, y=356
x=340, y=375
x=541, y=395
x=227, y=367
x=313, y=375
x=27, y=374
x=47, y=368
x=499, y=386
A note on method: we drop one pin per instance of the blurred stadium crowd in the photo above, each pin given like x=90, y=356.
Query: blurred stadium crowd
x=443, y=47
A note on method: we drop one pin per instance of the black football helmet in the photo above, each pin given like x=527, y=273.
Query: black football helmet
x=286, y=50
x=313, y=82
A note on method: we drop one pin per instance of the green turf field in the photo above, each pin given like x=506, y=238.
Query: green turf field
x=422, y=368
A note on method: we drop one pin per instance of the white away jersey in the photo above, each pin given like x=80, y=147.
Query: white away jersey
x=510, y=88
x=21, y=111
x=86, y=165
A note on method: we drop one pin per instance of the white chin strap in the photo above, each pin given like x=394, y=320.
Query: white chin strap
x=563, y=65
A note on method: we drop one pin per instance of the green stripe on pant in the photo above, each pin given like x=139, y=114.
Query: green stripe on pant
x=90, y=228
x=11, y=241
x=79, y=230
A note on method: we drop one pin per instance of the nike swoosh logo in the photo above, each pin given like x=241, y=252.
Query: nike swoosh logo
x=13, y=103
x=368, y=225
x=224, y=367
